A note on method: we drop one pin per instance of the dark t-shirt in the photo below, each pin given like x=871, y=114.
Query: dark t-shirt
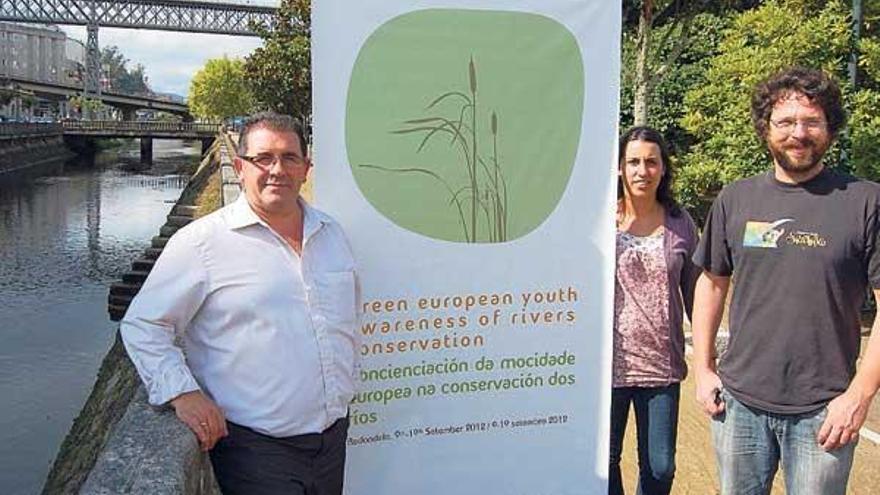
x=801, y=257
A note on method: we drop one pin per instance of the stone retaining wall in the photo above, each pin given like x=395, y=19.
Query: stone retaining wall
x=120, y=444
x=32, y=156
x=151, y=452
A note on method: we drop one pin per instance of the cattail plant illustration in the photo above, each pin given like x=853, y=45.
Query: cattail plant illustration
x=478, y=191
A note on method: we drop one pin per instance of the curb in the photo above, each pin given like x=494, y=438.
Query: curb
x=871, y=435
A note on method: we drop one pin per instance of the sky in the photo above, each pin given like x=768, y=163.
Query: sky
x=170, y=58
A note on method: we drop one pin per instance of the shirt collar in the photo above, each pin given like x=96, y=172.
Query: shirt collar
x=242, y=215
x=313, y=219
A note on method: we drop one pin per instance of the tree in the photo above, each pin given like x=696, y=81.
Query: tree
x=280, y=71
x=6, y=96
x=220, y=89
x=86, y=106
x=665, y=108
x=133, y=81
x=643, y=80
x=649, y=66
x=115, y=68
x=865, y=114
x=760, y=42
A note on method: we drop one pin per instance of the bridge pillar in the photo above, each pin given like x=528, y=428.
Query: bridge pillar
x=206, y=145
x=147, y=150
x=93, y=57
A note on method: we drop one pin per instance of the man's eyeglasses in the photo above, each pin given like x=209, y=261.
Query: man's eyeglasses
x=266, y=160
x=789, y=125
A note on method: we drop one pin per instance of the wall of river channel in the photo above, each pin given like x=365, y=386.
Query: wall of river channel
x=64, y=238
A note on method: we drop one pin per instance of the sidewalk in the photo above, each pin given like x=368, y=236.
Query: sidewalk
x=873, y=422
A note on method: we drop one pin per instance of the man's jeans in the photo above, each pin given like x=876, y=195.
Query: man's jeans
x=749, y=443
x=656, y=411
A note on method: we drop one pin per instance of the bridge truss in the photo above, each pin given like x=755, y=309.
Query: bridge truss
x=166, y=15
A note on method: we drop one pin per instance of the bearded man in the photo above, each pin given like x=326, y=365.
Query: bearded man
x=803, y=242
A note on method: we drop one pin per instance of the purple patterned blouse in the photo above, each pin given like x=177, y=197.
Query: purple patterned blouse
x=653, y=285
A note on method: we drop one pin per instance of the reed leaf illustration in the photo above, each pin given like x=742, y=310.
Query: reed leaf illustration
x=481, y=203
x=472, y=72
x=418, y=170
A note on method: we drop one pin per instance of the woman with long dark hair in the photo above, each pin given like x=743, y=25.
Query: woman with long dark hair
x=654, y=286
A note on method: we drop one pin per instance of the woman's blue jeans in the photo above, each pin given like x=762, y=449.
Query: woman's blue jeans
x=656, y=411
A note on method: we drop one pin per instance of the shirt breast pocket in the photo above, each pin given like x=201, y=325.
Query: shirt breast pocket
x=336, y=297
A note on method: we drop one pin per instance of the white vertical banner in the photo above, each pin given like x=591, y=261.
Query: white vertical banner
x=468, y=149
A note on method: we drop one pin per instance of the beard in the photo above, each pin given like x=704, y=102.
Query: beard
x=812, y=158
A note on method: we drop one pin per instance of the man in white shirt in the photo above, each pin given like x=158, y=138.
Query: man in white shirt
x=263, y=295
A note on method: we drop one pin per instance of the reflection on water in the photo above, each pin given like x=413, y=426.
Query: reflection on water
x=63, y=239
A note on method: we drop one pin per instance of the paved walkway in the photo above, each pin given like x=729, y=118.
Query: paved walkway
x=873, y=423
x=696, y=470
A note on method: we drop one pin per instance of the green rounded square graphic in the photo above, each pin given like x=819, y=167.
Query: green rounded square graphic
x=463, y=125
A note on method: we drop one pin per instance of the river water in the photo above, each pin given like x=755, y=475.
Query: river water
x=63, y=239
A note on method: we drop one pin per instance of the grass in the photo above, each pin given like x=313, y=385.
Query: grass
x=209, y=198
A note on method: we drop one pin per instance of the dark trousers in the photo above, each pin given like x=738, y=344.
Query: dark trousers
x=249, y=463
x=656, y=411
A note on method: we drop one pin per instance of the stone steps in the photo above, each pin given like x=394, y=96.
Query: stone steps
x=116, y=312
x=135, y=276
x=152, y=253
x=122, y=300
x=168, y=230
x=143, y=264
x=159, y=242
x=188, y=211
x=125, y=289
x=178, y=220
x=122, y=293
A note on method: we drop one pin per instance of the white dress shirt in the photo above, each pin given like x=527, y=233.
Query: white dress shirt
x=270, y=336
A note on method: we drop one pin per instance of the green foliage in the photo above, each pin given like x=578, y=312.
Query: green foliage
x=687, y=71
x=865, y=133
x=6, y=96
x=279, y=72
x=220, y=89
x=760, y=42
x=666, y=11
x=122, y=79
x=85, y=105
x=28, y=100
x=869, y=61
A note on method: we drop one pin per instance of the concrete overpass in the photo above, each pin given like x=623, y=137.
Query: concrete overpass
x=128, y=103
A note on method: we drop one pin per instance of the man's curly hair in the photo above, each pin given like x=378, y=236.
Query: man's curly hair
x=817, y=86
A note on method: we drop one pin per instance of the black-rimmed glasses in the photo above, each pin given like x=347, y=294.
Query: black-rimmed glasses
x=266, y=160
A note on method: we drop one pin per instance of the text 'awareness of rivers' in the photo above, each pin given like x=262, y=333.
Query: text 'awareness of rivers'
x=431, y=325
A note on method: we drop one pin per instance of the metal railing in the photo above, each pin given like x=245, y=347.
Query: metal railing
x=99, y=126
x=15, y=129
